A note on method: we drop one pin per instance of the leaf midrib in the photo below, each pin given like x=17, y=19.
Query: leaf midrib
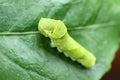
x=94, y=26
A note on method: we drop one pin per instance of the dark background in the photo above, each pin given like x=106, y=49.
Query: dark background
x=114, y=73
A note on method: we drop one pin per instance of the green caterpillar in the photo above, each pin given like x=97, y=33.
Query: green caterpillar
x=57, y=32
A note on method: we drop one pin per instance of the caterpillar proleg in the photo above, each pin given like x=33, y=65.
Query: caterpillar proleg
x=57, y=32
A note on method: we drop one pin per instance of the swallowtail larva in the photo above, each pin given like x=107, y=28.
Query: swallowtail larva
x=57, y=32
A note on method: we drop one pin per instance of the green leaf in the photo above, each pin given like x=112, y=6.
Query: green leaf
x=26, y=55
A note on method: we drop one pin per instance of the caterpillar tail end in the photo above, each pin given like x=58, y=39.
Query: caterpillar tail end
x=88, y=61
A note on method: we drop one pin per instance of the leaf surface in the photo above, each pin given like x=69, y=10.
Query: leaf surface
x=26, y=55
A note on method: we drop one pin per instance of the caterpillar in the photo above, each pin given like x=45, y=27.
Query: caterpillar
x=57, y=32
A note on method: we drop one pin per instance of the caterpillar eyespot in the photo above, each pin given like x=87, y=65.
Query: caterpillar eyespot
x=57, y=32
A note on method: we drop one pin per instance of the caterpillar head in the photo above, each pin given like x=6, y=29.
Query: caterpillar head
x=52, y=28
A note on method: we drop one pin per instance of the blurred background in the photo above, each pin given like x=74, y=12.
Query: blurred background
x=114, y=73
